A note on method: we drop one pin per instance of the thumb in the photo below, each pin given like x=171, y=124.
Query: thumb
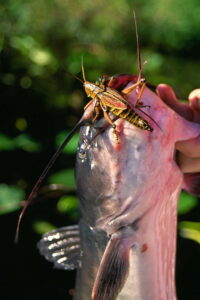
x=194, y=99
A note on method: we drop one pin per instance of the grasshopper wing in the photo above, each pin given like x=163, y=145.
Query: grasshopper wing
x=112, y=98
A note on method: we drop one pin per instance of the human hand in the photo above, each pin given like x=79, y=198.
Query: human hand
x=188, y=157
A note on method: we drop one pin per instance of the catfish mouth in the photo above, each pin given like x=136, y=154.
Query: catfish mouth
x=92, y=131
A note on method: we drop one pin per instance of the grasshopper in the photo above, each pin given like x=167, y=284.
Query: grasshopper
x=107, y=99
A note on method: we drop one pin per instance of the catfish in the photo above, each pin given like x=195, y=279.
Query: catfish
x=125, y=243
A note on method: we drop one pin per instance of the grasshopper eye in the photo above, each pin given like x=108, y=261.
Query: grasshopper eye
x=99, y=80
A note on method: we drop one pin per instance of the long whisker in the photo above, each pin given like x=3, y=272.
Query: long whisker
x=37, y=185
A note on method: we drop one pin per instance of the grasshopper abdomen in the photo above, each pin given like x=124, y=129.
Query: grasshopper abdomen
x=132, y=117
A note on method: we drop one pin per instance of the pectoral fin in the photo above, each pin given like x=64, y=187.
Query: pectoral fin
x=113, y=269
x=62, y=247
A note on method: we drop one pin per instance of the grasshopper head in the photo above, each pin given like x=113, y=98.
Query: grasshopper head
x=91, y=89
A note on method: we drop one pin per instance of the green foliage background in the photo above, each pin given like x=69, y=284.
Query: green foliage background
x=40, y=43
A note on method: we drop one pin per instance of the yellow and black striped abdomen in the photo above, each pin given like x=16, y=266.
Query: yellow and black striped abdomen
x=132, y=117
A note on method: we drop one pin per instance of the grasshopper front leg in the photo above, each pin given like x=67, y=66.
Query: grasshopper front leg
x=96, y=110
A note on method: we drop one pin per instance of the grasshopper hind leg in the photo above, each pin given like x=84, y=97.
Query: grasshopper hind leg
x=141, y=85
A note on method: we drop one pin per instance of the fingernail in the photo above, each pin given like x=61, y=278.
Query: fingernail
x=194, y=94
x=194, y=98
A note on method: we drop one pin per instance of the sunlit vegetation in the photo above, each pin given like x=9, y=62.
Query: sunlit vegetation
x=41, y=42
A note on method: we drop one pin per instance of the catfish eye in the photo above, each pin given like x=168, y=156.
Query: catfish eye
x=82, y=153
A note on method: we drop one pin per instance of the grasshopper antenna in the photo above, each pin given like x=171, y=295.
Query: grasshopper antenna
x=37, y=185
x=142, y=111
x=76, y=77
x=83, y=71
x=140, y=65
x=138, y=48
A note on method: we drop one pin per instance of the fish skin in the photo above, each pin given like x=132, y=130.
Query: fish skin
x=133, y=185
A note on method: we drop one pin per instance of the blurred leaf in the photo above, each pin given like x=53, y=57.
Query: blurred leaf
x=26, y=143
x=71, y=148
x=65, y=177
x=68, y=204
x=42, y=227
x=10, y=198
x=6, y=143
x=186, y=203
x=22, y=141
x=40, y=57
x=190, y=230
x=30, y=47
x=60, y=100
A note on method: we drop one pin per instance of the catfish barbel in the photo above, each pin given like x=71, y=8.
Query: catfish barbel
x=124, y=246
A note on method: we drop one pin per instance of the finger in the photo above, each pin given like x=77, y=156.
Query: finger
x=166, y=93
x=190, y=148
x=194, y=99
x=188, y=164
